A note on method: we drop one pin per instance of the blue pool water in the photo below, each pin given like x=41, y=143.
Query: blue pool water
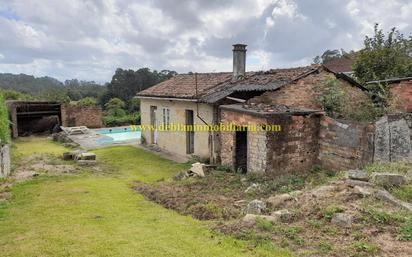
x=120, y=134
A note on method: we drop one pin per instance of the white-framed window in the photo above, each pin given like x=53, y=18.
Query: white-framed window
x=166, y=116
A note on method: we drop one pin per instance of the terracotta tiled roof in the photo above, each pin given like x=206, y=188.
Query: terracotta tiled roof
x=340, y=65
x=211, y=87
x=184, y=85
x=259, y=81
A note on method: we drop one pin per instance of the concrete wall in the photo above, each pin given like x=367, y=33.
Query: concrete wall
x=402, y=95
x=345, y=145
x=5, y=165
x=175, y=142
x=89, y=116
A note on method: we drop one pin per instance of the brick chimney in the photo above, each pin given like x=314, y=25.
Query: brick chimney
x=239, y=61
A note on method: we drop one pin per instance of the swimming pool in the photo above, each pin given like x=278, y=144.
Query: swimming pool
x=121, y=133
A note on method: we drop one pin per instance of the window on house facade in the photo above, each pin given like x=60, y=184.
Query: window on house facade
x=166, y=116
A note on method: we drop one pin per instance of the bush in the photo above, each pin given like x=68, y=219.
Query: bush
x=87, y=101
x=4, y=122
x=115, y=107
x=9, y=94
x=332, y=98
x=113, y=121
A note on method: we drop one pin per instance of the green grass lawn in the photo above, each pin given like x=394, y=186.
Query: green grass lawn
x=100, y=215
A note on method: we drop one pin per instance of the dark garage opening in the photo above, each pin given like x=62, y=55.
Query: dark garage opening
x=32, y=117
x=241, y=151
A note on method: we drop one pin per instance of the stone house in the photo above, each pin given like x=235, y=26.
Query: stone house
x=278, y=96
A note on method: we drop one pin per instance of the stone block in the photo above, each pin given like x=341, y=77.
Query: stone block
x=388, y=179
x=358, y=175
x=85, y=156
x=255, y=207
x=342, y=220
x=278, y=200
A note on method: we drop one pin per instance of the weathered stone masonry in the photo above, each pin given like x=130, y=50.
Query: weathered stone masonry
x=345, y=145
x=294, y=148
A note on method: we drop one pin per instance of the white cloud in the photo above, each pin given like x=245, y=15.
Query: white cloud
x=89, y=39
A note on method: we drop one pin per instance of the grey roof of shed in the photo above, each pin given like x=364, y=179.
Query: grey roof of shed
x=266, y=110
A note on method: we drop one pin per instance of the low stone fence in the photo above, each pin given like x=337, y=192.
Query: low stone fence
x=349, y=145
x=393, y=138
x=345, y=145
x=4, y=161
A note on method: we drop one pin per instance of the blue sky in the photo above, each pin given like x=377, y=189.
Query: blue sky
x=89, y=39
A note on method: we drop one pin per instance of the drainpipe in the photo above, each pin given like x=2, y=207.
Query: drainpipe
x=197, y=103
x=211, y=144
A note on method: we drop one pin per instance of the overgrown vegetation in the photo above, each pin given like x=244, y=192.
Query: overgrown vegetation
x=334, y=100
x=116, y=115
x=4, y=122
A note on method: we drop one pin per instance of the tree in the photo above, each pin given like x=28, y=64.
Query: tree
x=133, y=105
x=115, y=107
x=329, y=55
x=126, y=83
x=384, y=56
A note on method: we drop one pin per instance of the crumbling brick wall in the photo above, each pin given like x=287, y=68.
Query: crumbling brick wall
x=303, y=93
x=402, y=95
x=89, y=116
x=345, y=145
x=295, y=148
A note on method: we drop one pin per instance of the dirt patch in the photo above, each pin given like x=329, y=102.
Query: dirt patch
x=375, y=228
x=205, y=199
x=35, y=165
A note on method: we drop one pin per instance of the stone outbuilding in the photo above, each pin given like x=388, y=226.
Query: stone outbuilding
x=271, y=139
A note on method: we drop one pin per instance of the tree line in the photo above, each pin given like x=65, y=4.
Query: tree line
x=118, y=93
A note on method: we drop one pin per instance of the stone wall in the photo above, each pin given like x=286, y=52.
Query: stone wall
x=89, y=116
x=5, y=165
x=258, y=152
x=345, y=145
x=393, y=138
x=402, y=94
